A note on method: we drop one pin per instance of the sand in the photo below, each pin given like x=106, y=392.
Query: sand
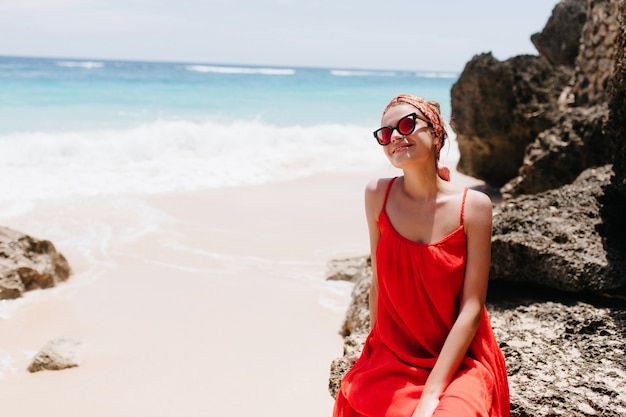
x=205, y=303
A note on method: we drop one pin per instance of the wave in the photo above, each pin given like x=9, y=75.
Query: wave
x=80, y=64
x=368, y=73
x=361, y=73
x=167, y=156
x=240, y=70
x=437, y=74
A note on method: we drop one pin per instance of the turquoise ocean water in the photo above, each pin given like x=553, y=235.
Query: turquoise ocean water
x=81, y=127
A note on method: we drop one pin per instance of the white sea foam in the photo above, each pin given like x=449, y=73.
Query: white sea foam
x=240, y=70
x=175, y=155
x=80, y=64
x=360, y=73
x=436, y=74
x=7, y=364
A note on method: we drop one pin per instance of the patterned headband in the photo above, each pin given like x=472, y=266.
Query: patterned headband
x=423, y=106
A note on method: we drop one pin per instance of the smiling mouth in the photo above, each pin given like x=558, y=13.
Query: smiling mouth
x=401, y=148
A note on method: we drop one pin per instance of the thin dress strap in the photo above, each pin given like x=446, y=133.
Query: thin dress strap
x=463, y=205
x=387, y=194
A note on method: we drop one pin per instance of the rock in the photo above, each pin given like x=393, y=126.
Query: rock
x=559, y=41
x=348, y=269
x=27, y=263
x=498, y=108
x=616, y=206
x=565, y=357
x=557, y=239
x=561, y=153
x=11, y=285
x=596, y=56
x=56, y=355
x=339, y=366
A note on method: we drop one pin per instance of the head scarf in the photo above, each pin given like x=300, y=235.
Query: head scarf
x=426, y=109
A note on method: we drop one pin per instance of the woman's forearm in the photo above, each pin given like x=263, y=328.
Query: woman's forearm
x=454, y=350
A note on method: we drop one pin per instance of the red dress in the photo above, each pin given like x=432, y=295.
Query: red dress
x=419, y=288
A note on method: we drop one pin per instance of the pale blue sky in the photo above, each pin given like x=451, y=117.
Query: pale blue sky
x=383, y=34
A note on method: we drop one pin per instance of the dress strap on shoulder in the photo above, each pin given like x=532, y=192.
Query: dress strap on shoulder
x=387, y=193
x=463, y=205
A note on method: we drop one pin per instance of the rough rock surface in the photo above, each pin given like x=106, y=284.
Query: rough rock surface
x=498, y=108
x=27, y=263
x=558, y=238
x=561, y=153
x=617, y=121
x=56, y=355
x=596, y=56
x=565, y=356
x=578, y=243
x=559, y=40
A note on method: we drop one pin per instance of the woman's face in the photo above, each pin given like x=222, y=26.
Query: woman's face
x=414, y=147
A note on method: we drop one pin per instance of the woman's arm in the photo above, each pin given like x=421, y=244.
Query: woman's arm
x=478, y=211
x=374, y=198
x=373, y=204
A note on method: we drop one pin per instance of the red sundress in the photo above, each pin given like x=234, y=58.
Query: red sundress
x=419, y=289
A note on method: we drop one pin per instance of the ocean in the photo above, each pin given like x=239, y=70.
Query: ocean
x=73, y=127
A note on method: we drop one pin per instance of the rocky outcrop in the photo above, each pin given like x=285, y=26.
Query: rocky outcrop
x=27, y=263
x=499, y=108
x=565, y=355
x=571, y=137
x=356, y=326
x=58, y=354
x=559, y=41
x=559, y=154
x=579, y=140
x=616, y=127
x=557, y=239
x=595, y=62
x=571, y=236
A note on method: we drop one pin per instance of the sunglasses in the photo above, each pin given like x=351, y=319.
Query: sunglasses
x=405, y=126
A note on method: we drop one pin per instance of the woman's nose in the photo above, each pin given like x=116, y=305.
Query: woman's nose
x=395, y=135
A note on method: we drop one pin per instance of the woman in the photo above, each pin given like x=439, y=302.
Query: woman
x=431, y=350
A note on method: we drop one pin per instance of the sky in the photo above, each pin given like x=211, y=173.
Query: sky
x=356, y=34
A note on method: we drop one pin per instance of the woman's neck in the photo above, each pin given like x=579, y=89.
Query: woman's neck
x=421, y=182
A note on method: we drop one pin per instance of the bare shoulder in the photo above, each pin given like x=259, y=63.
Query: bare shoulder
x=377, y=186
x=375, y=191
x=478, y=208
x=478, y=200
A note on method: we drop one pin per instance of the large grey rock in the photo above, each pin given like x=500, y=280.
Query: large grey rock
x=27, y=263
x=498, y=108
x=561, y=153
x=564, y=357
x=558, y=239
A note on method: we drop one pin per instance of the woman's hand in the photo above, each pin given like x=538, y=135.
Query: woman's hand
x=354, y=357
x=426, y=407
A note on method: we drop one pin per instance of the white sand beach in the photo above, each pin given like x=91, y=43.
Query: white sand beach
x=191, y=304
